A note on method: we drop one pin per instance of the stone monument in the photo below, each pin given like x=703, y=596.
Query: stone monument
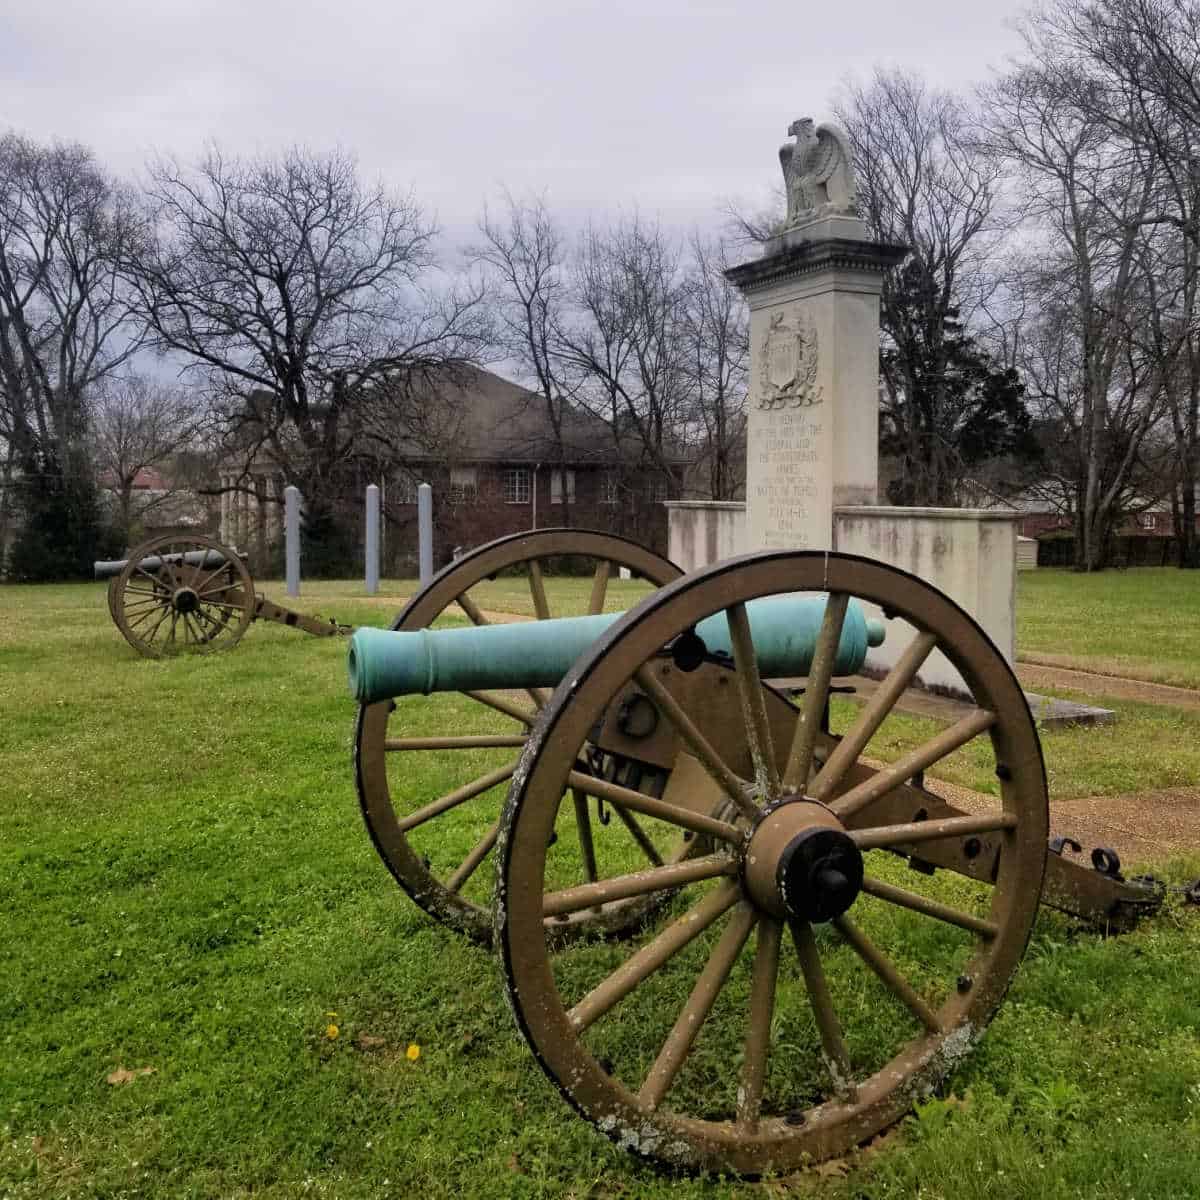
x=813, y=427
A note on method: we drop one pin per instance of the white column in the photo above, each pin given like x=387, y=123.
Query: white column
x=813, y=423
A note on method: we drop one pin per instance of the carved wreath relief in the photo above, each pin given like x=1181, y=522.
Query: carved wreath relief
x=787, y=365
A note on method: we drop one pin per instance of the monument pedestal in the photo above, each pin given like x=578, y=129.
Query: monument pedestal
x=813, y=422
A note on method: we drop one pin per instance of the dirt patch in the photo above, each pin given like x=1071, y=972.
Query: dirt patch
x=1145, y=827
x=1115, y=687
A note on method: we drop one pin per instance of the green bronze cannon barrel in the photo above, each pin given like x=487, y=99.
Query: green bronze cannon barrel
x=193, y=558
x=383, y=664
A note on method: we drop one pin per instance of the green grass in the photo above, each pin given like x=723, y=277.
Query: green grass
x=188, y=887
x=1149, y=747
x=1143, y=623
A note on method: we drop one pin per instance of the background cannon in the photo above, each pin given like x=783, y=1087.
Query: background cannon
x=190, y=594
x=782, y=890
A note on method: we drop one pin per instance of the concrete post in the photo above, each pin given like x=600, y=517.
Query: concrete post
x=291, y=533
x=372, y=540
x=425, y=531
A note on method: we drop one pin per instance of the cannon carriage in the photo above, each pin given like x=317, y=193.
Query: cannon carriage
x=180, y=594
x=741, y=923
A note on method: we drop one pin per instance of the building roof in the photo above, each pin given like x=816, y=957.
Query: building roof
x=478, y=416
x=146, y=480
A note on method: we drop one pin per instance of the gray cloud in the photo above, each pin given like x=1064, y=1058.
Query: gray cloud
x=670, y=106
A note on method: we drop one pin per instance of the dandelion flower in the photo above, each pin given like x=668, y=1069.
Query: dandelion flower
x=331, y=1031
x=413, y=1052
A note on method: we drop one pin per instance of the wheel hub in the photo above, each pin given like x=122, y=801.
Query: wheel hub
x=800, y=864
x=185, y=600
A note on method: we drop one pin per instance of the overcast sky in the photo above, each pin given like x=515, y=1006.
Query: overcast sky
x=671, y=106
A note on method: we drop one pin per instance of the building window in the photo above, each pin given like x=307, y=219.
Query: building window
x=1146, y=520
x=556, y=487
x=516, y=486
x=610, y=488
x=463, y=484
x=404, y=489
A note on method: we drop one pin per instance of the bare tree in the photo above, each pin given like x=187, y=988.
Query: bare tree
x=65, y=324
x=625, y=350
x=716, y=330
x=524, y=255
x=1143, y=70
x=308, y=299
x=924, y=182
x=1086, y=195
x=142, y=425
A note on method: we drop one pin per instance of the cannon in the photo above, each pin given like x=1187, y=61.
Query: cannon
x=792, y=929
x=190, y=594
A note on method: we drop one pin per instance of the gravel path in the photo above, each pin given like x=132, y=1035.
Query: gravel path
x=1113, y=686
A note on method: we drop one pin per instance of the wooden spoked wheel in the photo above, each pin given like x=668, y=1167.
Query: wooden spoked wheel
x=432, y=770
x=184, y=601
x=804, y=984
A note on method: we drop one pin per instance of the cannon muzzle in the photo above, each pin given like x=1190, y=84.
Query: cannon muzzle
x=527, y=654
x=193, y=558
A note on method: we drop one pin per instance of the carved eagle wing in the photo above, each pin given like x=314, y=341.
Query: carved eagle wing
x=785, y=161
x=832, y=148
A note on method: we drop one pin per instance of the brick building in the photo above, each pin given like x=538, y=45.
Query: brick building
x=496, y=466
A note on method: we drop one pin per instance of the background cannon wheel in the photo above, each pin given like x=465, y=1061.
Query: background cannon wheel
x=181, y=608
x=431, y=781
x=803, y=985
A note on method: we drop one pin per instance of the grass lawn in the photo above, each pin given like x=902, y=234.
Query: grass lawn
x=1143, y=623
x=189, y=888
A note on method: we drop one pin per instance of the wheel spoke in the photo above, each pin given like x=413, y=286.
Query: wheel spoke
x=837, y=1061
x=459, y=796
x=887, y=972
x=203, y=584
x=931, y=908
x=166, y=612
x=472, y=742
x=214, y=624
x=638, y=834
x=931, y=831
x=599, y=587
x=471, y=609
x=216, y=591
x=730, y=783
x=816, y=693
x=905, y=767
x=500, y=704
x=640, y=966
x=872, y=716
x=147, y=614
x=583, y=829
x=133, y=606
x=758, y=1022
x=651, y=806
x=754, y=707
x=537, y=589
x=638, y=883
x=479, y=852
x=699, y=1004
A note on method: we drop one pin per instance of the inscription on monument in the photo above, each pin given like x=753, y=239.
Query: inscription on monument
x=790, y=475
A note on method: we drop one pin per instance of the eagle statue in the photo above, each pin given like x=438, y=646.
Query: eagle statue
x=818, y=172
